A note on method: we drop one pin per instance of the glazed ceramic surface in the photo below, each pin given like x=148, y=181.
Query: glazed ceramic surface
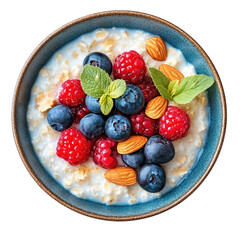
x=178, y=39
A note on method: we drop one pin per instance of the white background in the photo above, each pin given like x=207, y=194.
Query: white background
x=211, y=212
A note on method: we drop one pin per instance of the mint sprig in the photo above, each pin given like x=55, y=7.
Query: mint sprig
x=97, y=83
x=184, y=92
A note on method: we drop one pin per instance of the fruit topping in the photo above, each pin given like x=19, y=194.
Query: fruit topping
x=99, y=59
x=104, y=153
x=123, y=176
x=148, y=88
x=93, y=104
x=79, y=112
x=118, y=127
x=60, y=118
x=159, y=149
x=134, y=160
x=156, y=107
x=156, y=48
x=73, y=147
x=132, y=101
x=71, y=93
x=143, y=125
x=174, y=124
x=130, y=67
x=92, y=126
x=132, y=144
x=152, y=178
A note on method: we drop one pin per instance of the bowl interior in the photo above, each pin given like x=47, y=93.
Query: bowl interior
x=75, y=29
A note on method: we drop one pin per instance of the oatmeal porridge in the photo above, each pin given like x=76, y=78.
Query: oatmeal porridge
x=88, y=180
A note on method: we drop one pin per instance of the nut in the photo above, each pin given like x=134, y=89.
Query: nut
x=156, y=107
x=124, y=176
x=156, y=48
x=171, y=72
x=46, y=100
x=132, y=144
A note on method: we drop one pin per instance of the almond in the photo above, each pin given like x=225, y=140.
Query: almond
x=124, y=176
x=156, y=48
x=156, y=107
x=132, y=144
x=171, y=72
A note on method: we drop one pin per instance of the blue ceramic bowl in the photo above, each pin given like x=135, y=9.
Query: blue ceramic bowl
x=177, y=38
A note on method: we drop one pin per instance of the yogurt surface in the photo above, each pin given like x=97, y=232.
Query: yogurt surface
x=87, y=180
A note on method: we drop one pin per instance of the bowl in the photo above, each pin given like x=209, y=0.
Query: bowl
x=128, y=19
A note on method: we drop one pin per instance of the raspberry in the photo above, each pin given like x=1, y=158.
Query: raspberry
x=104, y=153
x=148, y=88
x=71, y=93
x=129, y=66
x=174, y=124
x=79, y=112
x=143, y=125
x=73, y=147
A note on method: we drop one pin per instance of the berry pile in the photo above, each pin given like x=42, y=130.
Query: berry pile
x=98, y=135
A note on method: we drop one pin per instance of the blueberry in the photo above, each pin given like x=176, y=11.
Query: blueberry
x=118, y=127
x=152, y=178
x=132, y=101
x=134, y=160
x=92, y=125
x=159, y=149
x=60, y=118
x=93, y=104
x=100, y=60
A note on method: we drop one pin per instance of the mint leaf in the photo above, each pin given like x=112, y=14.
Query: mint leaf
x=117, y=88
x=106, y=104
x=94, y=81
x=161, y=82
x=172, y=87
x=190, y=87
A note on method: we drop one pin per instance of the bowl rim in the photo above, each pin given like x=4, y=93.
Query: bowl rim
x=149, y=17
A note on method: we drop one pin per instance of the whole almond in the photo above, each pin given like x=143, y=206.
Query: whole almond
x=132, y=144
x=124, y=176
x=156, y=48
x=156, y=107
x=171, y=72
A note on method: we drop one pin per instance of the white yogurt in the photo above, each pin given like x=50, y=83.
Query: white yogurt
x=87, y=180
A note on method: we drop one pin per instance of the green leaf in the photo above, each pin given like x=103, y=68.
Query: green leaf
x=161, y=82
x=94, y=81
x=106, y=104
x=190, y=87
x=117, y=88
x=172, y=87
